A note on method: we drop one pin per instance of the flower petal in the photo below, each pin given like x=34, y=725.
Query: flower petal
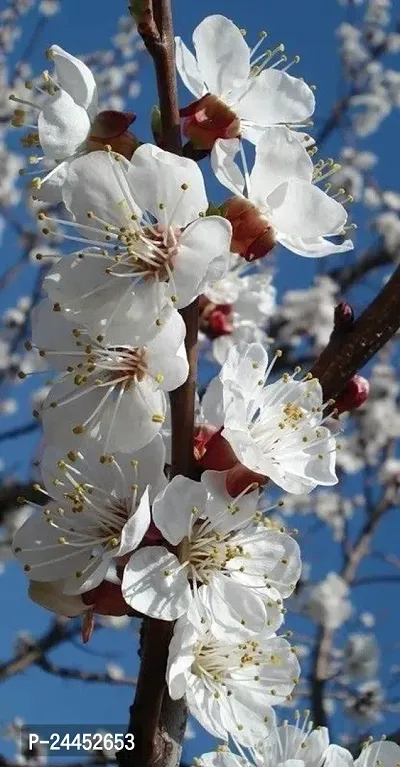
x=314, y=247
x=136, y=526
x=147, y=589
x=172, y=508
x=94, y=184
x=63, y=126
x=51, y=185
x=223, y=164
x=276, y=97
x=280, y=156
x=161, y=178
x=201, y=242
x=236, y=611
x=223, y=56
x=75, y=78
x=188, y=69
x=302, y=209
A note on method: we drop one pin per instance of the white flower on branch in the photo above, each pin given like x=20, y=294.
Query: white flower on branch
x=113, y=393
x=274, y=429
x=60, y=121
x=282, y=191
x=328, y=602
x=98, y=509
x=155, y=250
x=230, y=687
x=245, y=85
x=225, y=553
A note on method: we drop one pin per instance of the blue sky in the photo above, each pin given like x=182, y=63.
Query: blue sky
x=307, y=29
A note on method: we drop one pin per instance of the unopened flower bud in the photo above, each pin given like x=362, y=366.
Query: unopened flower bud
x=208, y=119
x=239, y=478
x=216, y=452
x=353, y=395
x=252, y=236
x=106, y=599
x=343, y=317
x=111, y=127
x=215, y=319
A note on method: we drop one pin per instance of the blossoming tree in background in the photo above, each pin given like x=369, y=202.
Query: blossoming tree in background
x=189, y=411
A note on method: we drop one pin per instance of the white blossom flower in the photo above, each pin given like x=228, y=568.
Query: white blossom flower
x=224, y=551
x=360, y=656
x=287, y=745
x=230, y=687
x=113, y=393
x=256, y=92
x=63, y=118
x=328, y=603
x=98, y=509
x=156, y=250
x=282, y=190
x=275, y=429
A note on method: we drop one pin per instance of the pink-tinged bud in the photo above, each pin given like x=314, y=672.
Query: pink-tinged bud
x=239, y=478
x=343, y=318
x=353, y=395
x=106, y=599
x=208, y=119
x=218, y=454
x=111, y=127
x=215, y=319
x=252, y=236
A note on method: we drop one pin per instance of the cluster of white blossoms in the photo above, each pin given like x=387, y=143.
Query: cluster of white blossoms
x=147, y=244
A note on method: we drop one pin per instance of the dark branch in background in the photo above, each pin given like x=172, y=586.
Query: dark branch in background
x=158, y=723
x=101, y=677
x=350, y=350
x=60, y=631
x=346, y=276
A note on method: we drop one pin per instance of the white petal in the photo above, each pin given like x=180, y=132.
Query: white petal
x=134, y=422
x=166, y=355
x=205, y=707
x=201, y=242
x=222, y=54
x=136, y=526
x=51, y=331
x=236, y=611
x=385, y=751
x=94, y=573
x=76, y=78
x=50, y=595
x=188, y=69
x=212, y=403
x=51, y=184
x=147, y=589
x=276, y=97
x=94, y=184
x=336, y=756
x=246, y=365
x=224, y=166
x=226, y=512
x=172, y=508
x=156, y=178
x=221, y=759
x=280, y=156
x=314, y=247
x=63, y=126
x=47, y=559
x=302, y=209
x=180, y=657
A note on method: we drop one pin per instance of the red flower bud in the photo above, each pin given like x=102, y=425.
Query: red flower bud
x=343, y=318
x=252, y=236
x=208, y=119
x=353, y=395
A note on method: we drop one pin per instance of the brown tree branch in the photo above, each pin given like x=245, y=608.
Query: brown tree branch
x=61, y=630
x=157, y=722
x=101, y=677
x=347, y=352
